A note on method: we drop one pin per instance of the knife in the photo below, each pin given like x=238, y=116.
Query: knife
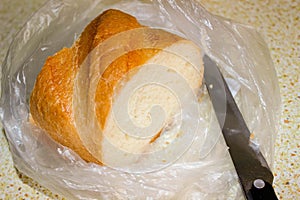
x=254, y=174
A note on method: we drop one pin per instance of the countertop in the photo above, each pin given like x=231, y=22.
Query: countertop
x=279, y=23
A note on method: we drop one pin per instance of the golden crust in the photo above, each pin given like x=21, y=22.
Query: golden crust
x=51, y=98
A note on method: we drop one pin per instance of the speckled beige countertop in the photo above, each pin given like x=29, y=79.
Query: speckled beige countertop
x=279, y=23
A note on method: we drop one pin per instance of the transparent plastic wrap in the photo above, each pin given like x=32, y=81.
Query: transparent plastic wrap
x=204, y=169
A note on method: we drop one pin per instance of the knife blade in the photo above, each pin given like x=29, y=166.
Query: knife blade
x=254, y=174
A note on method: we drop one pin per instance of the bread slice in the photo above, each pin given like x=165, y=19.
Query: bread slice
x=59, y=100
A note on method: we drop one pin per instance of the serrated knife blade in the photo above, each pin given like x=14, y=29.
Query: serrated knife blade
x=254, y=174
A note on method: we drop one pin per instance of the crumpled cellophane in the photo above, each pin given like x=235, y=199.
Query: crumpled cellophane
x=205, y=170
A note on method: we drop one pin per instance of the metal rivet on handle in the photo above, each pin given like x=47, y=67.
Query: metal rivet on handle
x=259, y=184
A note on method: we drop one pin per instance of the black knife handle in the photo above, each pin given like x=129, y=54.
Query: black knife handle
x=262, y=190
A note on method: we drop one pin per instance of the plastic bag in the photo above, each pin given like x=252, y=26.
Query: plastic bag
x=205, y=171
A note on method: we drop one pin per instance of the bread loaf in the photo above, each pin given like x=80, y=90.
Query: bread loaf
x=55, y=102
